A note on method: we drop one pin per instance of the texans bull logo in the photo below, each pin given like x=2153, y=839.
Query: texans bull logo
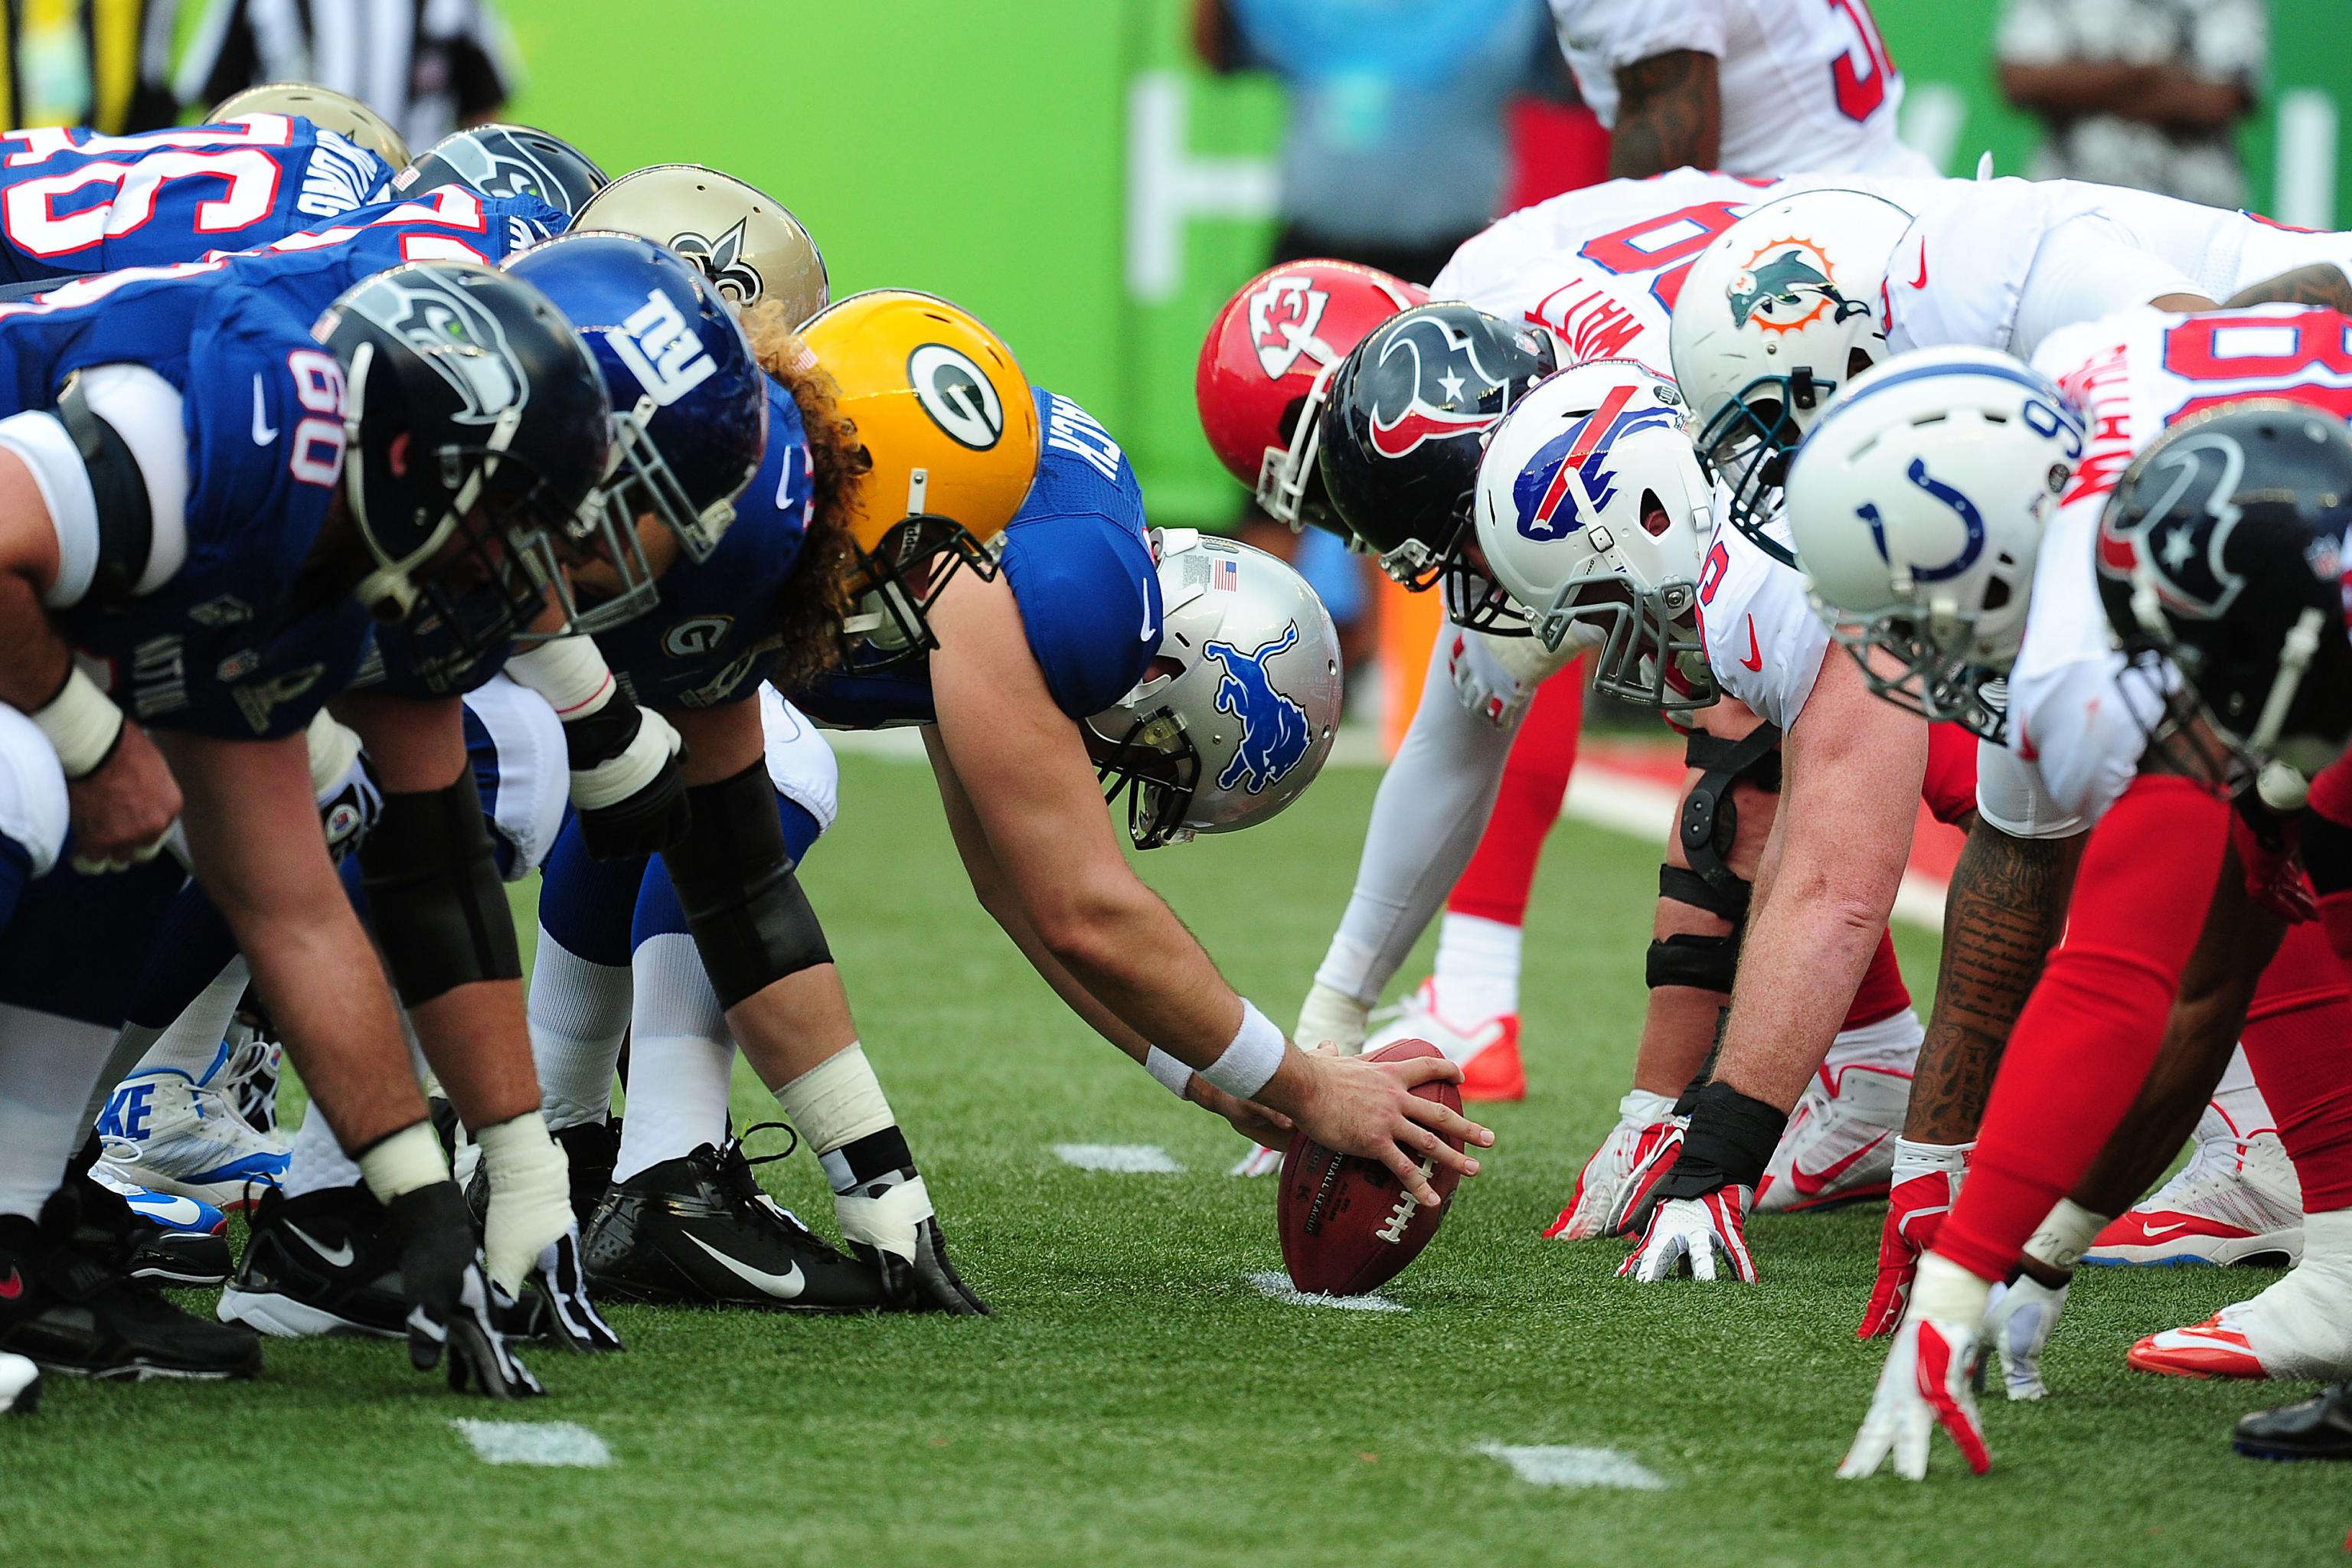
x=1544, y=495
x=2180, y=547
x=1283, y=317
x=1787, y=285
x=1275, y=732
x=1431, y=387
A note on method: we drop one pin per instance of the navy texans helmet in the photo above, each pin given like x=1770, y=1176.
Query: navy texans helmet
x=1402, y=431
x=2222, y=552
x=689, y=401
x=506, y=160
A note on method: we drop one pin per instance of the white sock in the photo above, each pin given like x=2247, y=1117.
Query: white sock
x=1914, y=1160
x=193, y=1041
x=2302, y=1326
x=318, y=1161
x=47, y=1066
x=2237, y=1104
x=579, y=1013
x=1477, y=968
x=681, y=1058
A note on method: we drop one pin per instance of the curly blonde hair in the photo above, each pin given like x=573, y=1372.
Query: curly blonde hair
x=816, y=595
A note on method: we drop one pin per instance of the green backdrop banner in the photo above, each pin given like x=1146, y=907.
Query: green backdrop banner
x=1060, y=168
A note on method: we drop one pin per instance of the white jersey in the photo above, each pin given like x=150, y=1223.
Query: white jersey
x=1805, y=84
x=1764, y=641
x=1602, y=267
x=2004, y=264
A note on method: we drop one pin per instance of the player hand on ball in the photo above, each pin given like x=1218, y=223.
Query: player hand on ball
x=1368, y=1109
x=1267, y=1129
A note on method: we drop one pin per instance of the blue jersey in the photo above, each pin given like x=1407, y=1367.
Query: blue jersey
x=76, y=202
x=710, y=638
x=1080, y=568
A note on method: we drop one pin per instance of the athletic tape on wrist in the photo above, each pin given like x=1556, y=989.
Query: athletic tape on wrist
x=1730, y=1142
x=82, y=724
x=837, y=1102
x=402, y=1161
x=1253, y=1056
x=1174, y=1076
x=2065, y=1235
x=568, y=672
x=1945, y=1292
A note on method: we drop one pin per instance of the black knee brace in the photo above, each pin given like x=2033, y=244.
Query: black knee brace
x=752, y=922
x=1710, y=824
x=433, y=894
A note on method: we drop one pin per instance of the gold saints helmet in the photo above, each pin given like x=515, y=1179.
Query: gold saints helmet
x=750, y=246
x=340, y=112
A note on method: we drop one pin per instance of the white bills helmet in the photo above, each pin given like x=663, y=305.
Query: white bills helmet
x=1591, y=511
x=1235, y=715
x=1917, y=505
x=1778, y=312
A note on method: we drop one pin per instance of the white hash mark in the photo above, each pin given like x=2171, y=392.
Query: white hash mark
x=1553, y=1465
x=553, y=1443
x=1274, y=1285
x=1133, y=1158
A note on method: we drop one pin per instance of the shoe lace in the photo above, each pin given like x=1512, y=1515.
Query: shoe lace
x=792, y=1142
x=748, y=1193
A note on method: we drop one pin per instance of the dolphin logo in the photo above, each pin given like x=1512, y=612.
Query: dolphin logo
x=1275, y=733
x=1787, y=285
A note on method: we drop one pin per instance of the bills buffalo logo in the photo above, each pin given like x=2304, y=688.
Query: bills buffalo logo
x=1787, y=285
x=1570, y=482
x=1972, y=521
x=1432, y=386
x=721, y=260
x=1283, y=317
x=2170, y=522
x=1274, y=728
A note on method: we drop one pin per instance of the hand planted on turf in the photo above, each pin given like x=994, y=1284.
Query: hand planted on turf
x=2018, y=1325
x=1925, y=1384
x=2266, y=846
x=1266, y=1129
x=1368, y=1109
x=890, y=1225
x=449, y=1297
x=1693, y=1231
x=1915, y=1213
x=123, y=811
x=1616, y=1181
x=566, y=1310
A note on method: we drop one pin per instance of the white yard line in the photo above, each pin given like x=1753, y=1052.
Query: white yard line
x=1553, y=1465
x=561, y=1444
x=1276, y=1286
x=1127, y=1159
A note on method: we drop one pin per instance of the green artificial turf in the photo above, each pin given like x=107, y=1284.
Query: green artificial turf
x=1136, y=1400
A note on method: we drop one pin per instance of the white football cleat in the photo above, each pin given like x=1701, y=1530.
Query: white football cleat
x=2300, y=1328
x=1839, y=1147
x=1638, y=1150
x=2236, y=1201
x=20, y=1384
x=250, y=1077
x=1260, y=1161
x=164, y=1130
x=1485, y=1049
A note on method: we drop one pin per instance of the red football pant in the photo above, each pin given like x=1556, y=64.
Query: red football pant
x=2298, y=1040
x=1495, y=883
x=2093, y=1026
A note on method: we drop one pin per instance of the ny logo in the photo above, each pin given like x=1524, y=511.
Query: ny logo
x=661, y=351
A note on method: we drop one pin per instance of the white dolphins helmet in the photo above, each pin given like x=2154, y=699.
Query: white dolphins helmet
x=1778, y=312
x=1591, y=511
x=1236, y=714
x=1917, y=505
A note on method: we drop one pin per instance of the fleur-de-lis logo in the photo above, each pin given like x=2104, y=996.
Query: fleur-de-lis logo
x=721, y=260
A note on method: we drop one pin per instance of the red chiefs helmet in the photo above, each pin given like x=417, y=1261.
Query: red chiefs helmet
x=1264, y=366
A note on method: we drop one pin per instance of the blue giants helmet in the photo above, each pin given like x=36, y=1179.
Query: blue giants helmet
x=689, y=401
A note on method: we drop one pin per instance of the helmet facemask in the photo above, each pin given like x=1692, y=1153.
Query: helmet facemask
x=1155, y=765
x=888, y=625
x=1646, y=644
x=1745, y=448
x=1289, y=490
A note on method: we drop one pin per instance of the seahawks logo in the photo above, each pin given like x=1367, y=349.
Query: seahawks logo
x=451, y=333
x=722, y=262
x=957, y=394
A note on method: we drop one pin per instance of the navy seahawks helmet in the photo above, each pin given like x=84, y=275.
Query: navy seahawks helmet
x=2222, y=552
x=1402, y=430
x=506, y=160
x=476, y=433
x=689, y=401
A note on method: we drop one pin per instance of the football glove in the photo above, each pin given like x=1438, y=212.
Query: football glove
x=1916, y=1207
x=1689, y=1232
x=1638, y=1150
x=530, y=1197
x=565, y=1311
x=1926, y=1384
x=2018, y=1325
x=344, y=780
x=2265, y=845
x=449, y=1300
x=889, y=1224
x=1485, y=686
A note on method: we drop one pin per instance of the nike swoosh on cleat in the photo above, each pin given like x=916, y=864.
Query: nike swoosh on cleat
x=1813, y=1185
x=2152, y=1231
x=342, y=1256
x=783, y=1287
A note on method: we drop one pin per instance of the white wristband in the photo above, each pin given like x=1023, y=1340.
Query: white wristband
x=2065, y=1235
x=408, y=1160
x=1174, y=1075
x=82, y=723
x=568, y=672
x=1252, y=1058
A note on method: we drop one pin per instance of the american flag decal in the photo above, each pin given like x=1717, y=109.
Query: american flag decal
x=1225, y=575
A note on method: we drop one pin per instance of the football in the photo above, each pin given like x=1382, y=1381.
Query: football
x=1347, y=1226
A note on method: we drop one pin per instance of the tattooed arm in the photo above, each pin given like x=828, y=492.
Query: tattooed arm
x=2005, y=910
x=2321, y=283
x=1669, y=114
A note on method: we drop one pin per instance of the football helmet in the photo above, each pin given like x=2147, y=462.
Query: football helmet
x=1237, y=712
x=1267, y=364
x=1918, y=506
x=506, y=160
x=952, y=428
x=473, y=416
x=1589, y=513
x=329, y=110
x=1403, y=426
x=1778, y=312
x=2222, y=552
x=689, y=401
x=745, y=240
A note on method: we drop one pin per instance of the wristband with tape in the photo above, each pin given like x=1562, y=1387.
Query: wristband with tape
x=1174, y=1076
x=82, y=723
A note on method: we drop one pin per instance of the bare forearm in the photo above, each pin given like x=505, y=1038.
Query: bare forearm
x=2321, y=284
x=1083, y=1002
x=326, y=992
x=1799, y=970
x=475, y=1036
x=2151, y=94
x=1670, y=114
x=33, y=658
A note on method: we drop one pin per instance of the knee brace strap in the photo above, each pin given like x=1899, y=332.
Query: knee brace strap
x=1711, y=819
x=1688, y=958
x=433, y=888
x=751, y=921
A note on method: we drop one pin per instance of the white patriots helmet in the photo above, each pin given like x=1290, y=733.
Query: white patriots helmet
x=1590, y=511
x=1917, y=505
x=1237, y=711
x=1778, y=312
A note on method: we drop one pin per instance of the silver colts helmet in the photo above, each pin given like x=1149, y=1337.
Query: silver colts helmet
x=1591, y=511
x=1237, y=712
x=748, y=244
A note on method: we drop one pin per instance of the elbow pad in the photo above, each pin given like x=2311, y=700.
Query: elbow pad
x=433, y=894
x=733, y=872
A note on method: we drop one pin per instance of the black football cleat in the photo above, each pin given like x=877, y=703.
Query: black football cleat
x=141, y=1244
x=318, y=1264
x=2318, y=1428
x=74, y=1312
x=698, y=1228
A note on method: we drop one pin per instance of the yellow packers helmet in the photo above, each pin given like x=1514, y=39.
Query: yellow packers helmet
x=947, y=417
x=340, y=112
x=748, y=244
